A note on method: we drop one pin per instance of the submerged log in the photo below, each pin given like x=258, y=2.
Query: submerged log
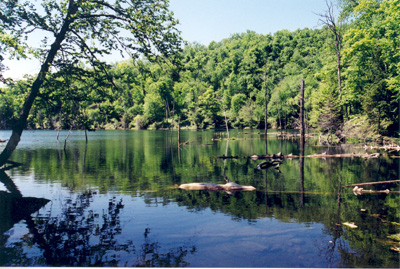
x=228, y=187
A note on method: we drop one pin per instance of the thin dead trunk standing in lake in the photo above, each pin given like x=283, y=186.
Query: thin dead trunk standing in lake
x=302, y=141
x=265, y=101
x=302, y=125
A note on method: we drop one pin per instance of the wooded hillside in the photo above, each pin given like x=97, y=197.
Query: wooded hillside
x=352, y=82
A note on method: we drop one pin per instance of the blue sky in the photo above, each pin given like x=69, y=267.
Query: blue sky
x=204, y=21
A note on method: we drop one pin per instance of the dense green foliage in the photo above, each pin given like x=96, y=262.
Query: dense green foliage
x=81, y=32
x=232, y=76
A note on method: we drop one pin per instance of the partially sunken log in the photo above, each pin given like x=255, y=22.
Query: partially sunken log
x=228, y=187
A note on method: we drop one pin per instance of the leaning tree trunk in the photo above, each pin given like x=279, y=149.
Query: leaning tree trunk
x=22, y=120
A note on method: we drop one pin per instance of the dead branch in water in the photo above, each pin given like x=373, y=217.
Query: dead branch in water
x=291, y=156
x=372, y=183
x=187, y=142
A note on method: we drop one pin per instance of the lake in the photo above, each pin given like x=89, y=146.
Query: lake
x=115, y=201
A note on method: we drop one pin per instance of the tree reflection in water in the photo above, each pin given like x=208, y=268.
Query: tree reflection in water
x=78, y=236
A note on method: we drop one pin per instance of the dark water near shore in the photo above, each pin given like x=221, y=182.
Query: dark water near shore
x=115, y=202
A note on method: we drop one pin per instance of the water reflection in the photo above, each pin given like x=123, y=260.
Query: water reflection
x=77, y=236
x=13, y=206
x=293, y=219
x=80, y=237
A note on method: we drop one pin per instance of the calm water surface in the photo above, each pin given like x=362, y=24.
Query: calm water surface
x=115, y=202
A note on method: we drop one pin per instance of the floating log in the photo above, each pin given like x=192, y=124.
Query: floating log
x=269, y=133
x=291, y=135
x=255, y=157
x=372, y=183
x=233, y=139
x=228, y=187
x=360, y=191
x=250, y=133
x=324, y=155
x=385, y=147
x=350, y=224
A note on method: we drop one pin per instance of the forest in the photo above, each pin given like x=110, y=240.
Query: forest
x=350, y=65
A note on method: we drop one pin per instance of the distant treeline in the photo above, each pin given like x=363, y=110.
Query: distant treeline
x=351, y=72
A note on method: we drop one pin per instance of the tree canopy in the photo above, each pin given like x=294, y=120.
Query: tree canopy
x=79, y=32
x=203, y=82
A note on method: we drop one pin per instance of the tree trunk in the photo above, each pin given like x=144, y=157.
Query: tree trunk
x=338, y=64
x=302, y=140
x=285, y=121
x=22, y=121
x=179, y=131
x=265, y=101
x=66, y=138
x=279, y=117
x=226, y=124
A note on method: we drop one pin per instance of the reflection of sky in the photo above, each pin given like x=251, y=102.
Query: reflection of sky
x=223, y=242
x=220, y=241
